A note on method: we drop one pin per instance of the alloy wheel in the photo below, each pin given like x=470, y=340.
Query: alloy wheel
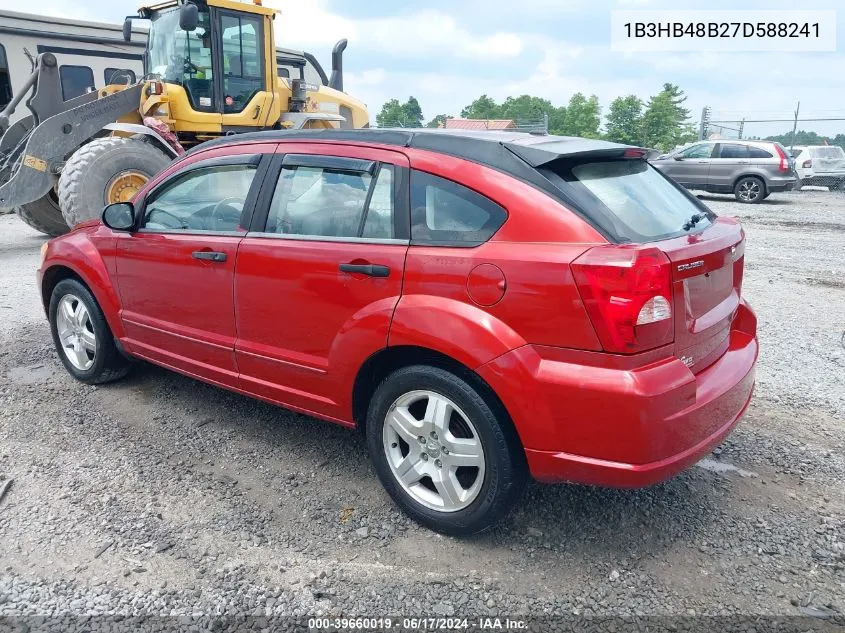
x=434, y=451
x=749, y=190
x=76, y=332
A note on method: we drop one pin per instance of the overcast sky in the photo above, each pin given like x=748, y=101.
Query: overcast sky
x=447, y=53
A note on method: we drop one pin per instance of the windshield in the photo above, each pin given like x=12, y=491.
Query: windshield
x=641, y=204
x=181, y=57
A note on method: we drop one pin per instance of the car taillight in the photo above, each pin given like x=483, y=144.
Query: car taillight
x=807, y=163
x=738, y=253
x=627, y=292
x=784, y=162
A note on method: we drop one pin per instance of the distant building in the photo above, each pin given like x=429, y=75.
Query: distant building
x=480, y=124
x=90, y=54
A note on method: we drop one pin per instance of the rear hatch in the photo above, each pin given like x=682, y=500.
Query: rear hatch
x=707, y=270
x=828, y=159
x=672, y=275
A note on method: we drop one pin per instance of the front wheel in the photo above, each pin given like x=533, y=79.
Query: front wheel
x=750, y=190
x=451, y=461
x=82, y=337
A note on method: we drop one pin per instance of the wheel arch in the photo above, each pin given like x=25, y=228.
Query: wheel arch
x=94, y=278
x=389, y=359
x=758, y=176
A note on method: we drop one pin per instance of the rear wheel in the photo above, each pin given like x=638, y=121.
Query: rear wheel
x=44, y=215
x=750, y=190
x=451, y=461
x=81, y=335
x=106, y=170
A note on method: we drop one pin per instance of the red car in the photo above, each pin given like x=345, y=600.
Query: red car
x=482, y=305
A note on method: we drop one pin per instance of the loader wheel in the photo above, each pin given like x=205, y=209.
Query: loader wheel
x=44, y=215
x=106, y=170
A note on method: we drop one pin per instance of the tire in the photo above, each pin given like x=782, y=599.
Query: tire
x=749, y=190
x=44, y=215
x=88, y=174
x=479, y=494
x=106, y=363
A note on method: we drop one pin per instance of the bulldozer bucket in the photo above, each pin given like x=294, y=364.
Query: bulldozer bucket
x=30, y=171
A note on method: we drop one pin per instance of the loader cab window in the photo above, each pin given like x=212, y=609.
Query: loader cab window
x=183, y=58
x=119, y=76
x=5, y=79
x=243, y=67
x=76, y=81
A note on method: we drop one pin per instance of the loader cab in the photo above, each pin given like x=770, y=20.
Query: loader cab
x=218, y=57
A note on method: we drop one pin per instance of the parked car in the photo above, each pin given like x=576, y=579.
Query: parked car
x=751, y=170
x=482, y=305
x=820, y=165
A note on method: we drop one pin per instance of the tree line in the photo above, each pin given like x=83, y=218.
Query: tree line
x=662, y=122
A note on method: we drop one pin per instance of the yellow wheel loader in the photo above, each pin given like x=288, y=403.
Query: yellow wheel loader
x=211, y=69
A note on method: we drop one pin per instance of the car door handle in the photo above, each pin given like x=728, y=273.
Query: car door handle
x=742, y=162
x=371, y=270
x=212, y=256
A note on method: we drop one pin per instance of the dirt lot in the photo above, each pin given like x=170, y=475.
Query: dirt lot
x=163, y=495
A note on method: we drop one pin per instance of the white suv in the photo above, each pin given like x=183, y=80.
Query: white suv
x=821, y=165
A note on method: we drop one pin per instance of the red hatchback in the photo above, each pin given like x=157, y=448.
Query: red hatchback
x=482, y=305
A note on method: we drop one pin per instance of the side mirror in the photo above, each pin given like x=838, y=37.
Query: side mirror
x=127, y=30
x=188, y=17
x=119, y=216
x=678, y=157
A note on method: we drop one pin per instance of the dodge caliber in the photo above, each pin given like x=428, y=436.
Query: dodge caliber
x=483, y=306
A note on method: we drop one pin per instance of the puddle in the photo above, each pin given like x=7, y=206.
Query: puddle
x=715, y=466
x=29, y=375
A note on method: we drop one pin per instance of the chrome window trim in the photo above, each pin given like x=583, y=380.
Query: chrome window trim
x=326, y=238
x=192, y=232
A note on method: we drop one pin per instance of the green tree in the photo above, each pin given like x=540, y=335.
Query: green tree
x=525, y=108
x=395, y=114
x=482, y=108
x=666, y=122
x=557, y=120
x=582, y=116
x=803, y=137
x=391, y=114
x=413, y=113
x=624, y=120
x=438, y=121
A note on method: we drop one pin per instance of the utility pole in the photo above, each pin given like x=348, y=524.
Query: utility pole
x=741, y=126
x=795, y=125
x=705, y=123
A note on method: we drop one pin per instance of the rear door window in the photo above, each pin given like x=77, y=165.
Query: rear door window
x=631, y=196
x=733, y=150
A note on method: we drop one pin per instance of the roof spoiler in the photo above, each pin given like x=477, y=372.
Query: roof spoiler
x=544, y=152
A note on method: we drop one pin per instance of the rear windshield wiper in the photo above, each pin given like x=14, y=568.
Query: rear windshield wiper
x=694, y=219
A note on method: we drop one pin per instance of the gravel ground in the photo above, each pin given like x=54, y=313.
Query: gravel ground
x=161, y=495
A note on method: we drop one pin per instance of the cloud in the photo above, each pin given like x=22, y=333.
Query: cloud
x=417, y=34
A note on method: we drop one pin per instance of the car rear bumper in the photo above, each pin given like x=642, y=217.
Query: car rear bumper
x=781, y=184
x=626, y=427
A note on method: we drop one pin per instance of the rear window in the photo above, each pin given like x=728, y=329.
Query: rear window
x=833, y=151
x=629, y=197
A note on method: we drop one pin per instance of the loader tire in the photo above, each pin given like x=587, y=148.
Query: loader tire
x=92, y=176
x=44, y=215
